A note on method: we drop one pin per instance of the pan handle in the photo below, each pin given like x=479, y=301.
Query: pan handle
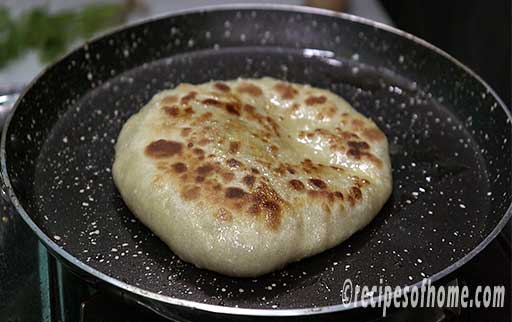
x=7, y=100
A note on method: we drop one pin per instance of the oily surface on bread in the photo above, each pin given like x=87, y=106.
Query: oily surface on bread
x=244, y=176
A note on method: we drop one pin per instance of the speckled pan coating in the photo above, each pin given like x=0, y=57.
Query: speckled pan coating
x=450, y=143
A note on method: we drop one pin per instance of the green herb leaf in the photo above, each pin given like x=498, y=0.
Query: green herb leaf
x=51, y=34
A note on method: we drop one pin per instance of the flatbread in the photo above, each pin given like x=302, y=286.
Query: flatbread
x=244, y=176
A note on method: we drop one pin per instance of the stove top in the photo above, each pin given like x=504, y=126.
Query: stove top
x=36, y=287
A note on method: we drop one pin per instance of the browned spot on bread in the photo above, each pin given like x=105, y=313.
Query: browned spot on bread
x=233, y=108
x=304, y=134
x=338, y=195
x=204, y=141
x=198, y=121
x=318, y=183
x=327, y=195
x=249, y=108
x=268, y=124
x=250, y=89
x=179, y=167
x=357, y=149
x=312, y=168
x=189, y=111
x=234, y=192
x=227, y=176
x=266, y=200
x=355, y=194
x=233, y=163
x=274, y=149
x=315, y=100
x=204, y=169
x=249, y=180
x=169, y=100
x=223, y=87
x=190, y=144
x=223, y=215
x=211, y=101
x=199, y=179
x=336, y=139
x=330, y=197
x=313, y=193
x=191, y=193
x=286, y=91
x=255, y=171
x=357, y=123
x=356, y=154
x=272, y=214
x=320, y=116
x=281, y=169
x=373, y=134
x=331, y=111
x=364, y=155
x=358, y=145
x=163, y=149
x=234, y=146
x=297, y=184
x=172, y=111
x=185, y=131
x=187, y=98
x=273, y=124
x=346, y=135
x=291, y=170
x=198, y=151
x=253, y=209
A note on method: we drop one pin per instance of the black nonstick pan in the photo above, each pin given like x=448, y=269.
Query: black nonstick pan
x=450, y=141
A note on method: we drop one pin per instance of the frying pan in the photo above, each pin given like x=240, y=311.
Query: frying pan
x=450, y=143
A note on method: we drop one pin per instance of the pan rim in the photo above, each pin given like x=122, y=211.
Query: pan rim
x=49, y=243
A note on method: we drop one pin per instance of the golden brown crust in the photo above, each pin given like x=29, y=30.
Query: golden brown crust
x=285, y=90
x=244, y=176
x=223, y=87
x=315, y=100
x=249, y=88
x=231, y=185
x=163, y=148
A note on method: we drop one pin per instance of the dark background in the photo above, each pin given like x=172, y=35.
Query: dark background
x=476, y=32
